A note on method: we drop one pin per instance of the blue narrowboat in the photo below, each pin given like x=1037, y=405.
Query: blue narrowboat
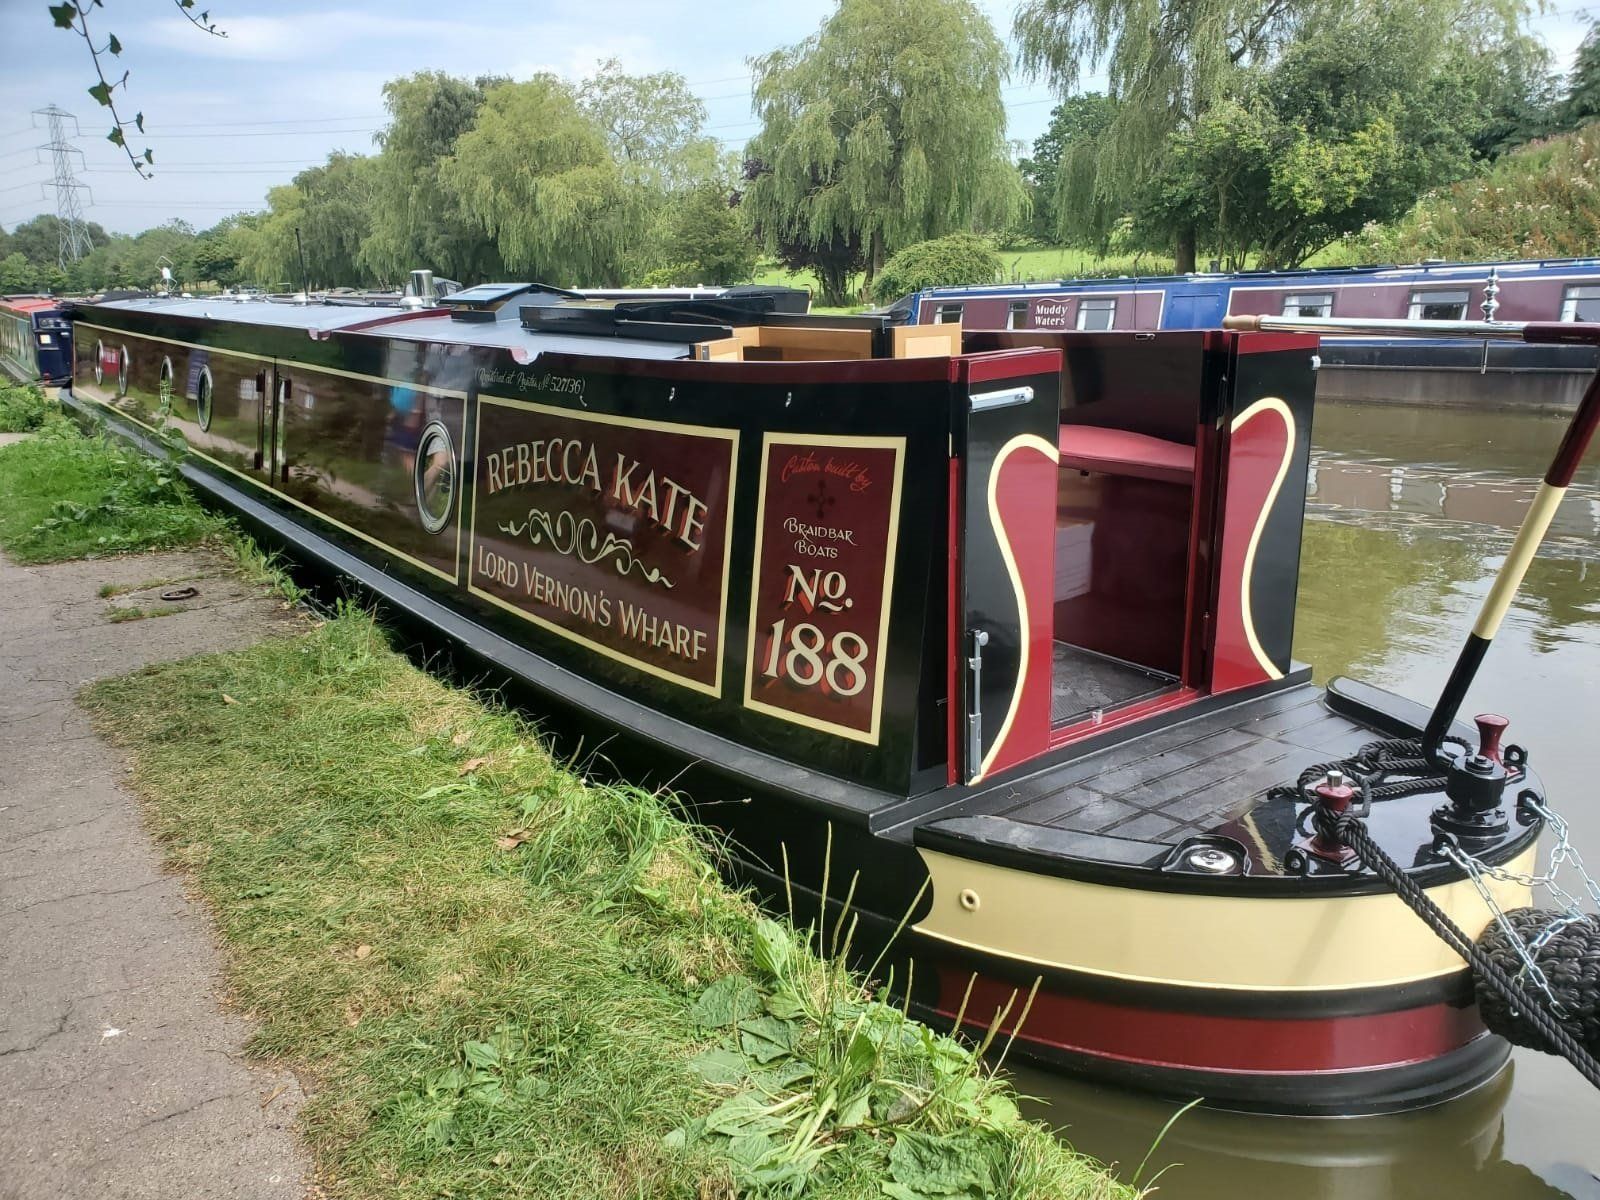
x=1360, y=366
x=35, y=339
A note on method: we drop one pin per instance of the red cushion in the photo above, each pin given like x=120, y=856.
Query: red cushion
x=1118, y=452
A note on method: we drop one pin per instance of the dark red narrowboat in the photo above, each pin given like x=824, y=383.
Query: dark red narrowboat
x=988, y=628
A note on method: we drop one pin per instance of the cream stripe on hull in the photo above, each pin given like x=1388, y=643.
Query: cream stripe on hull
x=1184, y=939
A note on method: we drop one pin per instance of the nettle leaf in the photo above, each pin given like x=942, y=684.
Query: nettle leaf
x=63, y=15
x=730, y=999
x=113, y=45
x=101, y=93
x=481, y=1054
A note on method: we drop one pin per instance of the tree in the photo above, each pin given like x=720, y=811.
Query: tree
x=1539, y=201
x=702, y=240
x=323, y=217
x=536, y=175
x=1365, y=111
x=1074, y=123
x=39, y=240
x=1582, y=103
x=17, y=274
x=653, y=123
x=884, y=128
x=953, y=259
x=415, y=221
x=1167, y=63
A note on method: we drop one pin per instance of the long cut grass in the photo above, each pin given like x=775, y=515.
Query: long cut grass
x=506, y=980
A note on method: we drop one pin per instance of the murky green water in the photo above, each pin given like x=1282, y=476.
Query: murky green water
x=1410, y=512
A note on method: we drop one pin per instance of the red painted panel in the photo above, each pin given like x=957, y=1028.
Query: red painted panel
x=1023, y=496
x=1255, y=454
x=1204, y=1042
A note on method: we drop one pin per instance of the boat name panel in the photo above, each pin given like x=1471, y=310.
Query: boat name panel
x=826, y=529
x=610, y=531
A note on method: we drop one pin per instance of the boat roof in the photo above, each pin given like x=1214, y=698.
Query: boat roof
x=29, y=303
x=1377, y=271
x=656, y=324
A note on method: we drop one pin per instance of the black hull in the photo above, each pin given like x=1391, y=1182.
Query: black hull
x=875, y=849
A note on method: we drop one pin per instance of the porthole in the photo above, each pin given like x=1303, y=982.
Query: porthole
x=202, y=398
x=122, y=371
x=434, y=476
x=166, y=377
x=99, y=364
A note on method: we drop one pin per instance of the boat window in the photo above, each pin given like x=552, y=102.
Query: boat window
x=1096, y=313
x=947, y=314
x=1017, y=315
x=122, y=371
x=202, y=398
x=1581, y=304
x=166, y=379
x=1448, y=305
x=1308, y=304
x=435, y=477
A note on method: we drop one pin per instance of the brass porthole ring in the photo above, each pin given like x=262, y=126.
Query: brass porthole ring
x=433, y=476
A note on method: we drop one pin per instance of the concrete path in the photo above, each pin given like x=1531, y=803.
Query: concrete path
x=120, y=1071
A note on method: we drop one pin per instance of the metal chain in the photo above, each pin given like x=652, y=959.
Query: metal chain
x=1561, y=854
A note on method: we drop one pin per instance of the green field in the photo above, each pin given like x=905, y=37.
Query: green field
x=1031, y=265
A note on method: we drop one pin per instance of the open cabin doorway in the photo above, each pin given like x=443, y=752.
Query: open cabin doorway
x=1125, y=527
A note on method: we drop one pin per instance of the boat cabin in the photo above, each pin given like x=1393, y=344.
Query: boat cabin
x=904, y=556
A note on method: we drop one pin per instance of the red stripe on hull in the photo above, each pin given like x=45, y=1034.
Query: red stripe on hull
x=1200, y=1042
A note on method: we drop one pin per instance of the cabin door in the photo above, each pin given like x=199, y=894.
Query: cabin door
x=269, y=431
x=1005, y=550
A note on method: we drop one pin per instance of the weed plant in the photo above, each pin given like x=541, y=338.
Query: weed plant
x=24, y=409
x=67, y=495
x=498, y=978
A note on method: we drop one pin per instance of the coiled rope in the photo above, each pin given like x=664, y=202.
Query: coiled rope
x=1563, y=1015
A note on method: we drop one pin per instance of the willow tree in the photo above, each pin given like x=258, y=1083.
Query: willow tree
x=654, y=124
x=314, y=227
x=415, y=221
x=538, y=178
x=883, y=128
x=1167, y=62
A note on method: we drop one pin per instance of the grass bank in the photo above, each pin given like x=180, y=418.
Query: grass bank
x=23, y=408
x=64, y=494
x=509, y=981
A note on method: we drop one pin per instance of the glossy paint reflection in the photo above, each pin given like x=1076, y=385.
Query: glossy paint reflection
x=1410, y=512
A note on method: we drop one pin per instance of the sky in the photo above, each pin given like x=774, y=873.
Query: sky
x=229, y=118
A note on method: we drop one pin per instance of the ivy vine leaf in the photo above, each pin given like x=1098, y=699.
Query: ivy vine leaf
x=138, y=120
x=63, y=15
x=113, y=44
x=115, y=136
x=101, y=93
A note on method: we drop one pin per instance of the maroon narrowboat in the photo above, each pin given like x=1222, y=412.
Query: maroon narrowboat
x=990, y=631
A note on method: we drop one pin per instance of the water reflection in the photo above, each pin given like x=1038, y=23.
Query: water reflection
x=1410, y=512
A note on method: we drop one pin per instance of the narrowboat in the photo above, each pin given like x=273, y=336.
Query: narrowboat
x=35, y=340
x=1363, y=366
x=976, y=643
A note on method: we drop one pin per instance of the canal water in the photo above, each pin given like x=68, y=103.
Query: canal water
x=1409, y=512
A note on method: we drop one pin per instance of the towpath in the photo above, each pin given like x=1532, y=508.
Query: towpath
x=121, y=1072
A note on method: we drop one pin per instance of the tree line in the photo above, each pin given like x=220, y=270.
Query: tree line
x=1248, y=131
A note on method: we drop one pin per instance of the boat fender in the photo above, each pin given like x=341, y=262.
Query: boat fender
x=1566, y=949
